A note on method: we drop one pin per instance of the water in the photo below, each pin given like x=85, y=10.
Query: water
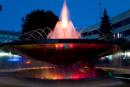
x=64, y=28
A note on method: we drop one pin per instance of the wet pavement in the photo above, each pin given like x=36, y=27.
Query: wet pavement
x=98, y=82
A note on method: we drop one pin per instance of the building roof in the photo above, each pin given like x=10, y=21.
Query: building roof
x=10, y=32
x=91, y=28
x=113, y=20
x=121, y=17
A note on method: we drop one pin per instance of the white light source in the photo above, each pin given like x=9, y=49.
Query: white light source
x=8, y=54
x=109, y=57
x=127, y=53
x=3, y=54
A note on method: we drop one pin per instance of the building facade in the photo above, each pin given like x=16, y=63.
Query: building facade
x=8, y=36
x=120, y=27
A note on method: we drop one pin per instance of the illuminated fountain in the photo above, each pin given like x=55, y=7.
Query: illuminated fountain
x=64, y=28
x=65, y=49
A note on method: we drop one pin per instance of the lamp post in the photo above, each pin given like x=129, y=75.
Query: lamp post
x=100, y=8
x=0, y=7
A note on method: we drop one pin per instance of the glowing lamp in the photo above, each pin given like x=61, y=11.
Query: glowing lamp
x=61, y=45
x=71, y=46
x=75, y=77
x=28, y=62
x=127, y=54
x=13, y=59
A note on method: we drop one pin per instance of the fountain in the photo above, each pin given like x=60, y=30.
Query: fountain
x=65, y=49
x=64, y=44
x=64, y=28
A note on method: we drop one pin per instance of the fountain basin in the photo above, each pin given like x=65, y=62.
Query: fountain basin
x=62, y=51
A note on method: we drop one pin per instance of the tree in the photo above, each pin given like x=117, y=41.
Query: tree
x=105, y=27
x=39, y=19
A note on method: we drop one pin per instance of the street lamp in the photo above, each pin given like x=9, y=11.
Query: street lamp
x=0, y=7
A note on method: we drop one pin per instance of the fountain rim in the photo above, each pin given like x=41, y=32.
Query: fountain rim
x=55, y=41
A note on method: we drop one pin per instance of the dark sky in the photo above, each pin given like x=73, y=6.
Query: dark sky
x=82, y=12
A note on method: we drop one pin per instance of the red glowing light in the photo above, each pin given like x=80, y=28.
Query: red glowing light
x=75, y=77
x=28, y=62
x=61, y=45
x=71, y=46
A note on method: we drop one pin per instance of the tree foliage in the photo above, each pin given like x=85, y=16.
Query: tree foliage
x=39, y=19
x=105, y=26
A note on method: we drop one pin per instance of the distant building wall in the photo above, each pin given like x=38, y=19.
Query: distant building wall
x=120, y=24
x=8, y=36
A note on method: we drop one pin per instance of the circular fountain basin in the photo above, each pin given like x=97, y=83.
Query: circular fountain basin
x=62, y=51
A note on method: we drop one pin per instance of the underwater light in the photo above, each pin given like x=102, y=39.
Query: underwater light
x=13, y=59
